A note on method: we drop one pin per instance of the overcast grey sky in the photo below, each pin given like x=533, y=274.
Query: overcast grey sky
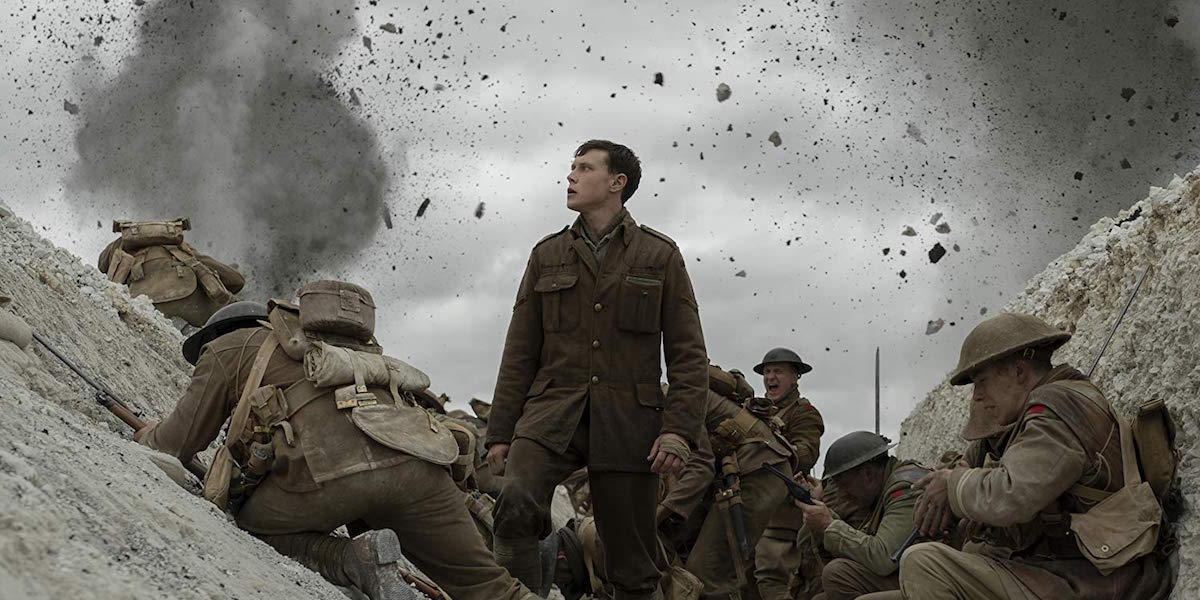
x=1018, y=124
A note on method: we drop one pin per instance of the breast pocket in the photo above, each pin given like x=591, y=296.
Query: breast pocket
x=640, y=304
x=560, y=305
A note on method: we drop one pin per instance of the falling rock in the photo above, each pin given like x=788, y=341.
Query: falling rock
x=936, y=253
x=723, y=92
x=909, y=231
x=775, y=139
x=935, y=218
x=741, y=273
x=933, y=327
x=71, y=108
x=942, y=228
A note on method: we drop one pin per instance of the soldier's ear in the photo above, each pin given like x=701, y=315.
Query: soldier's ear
x=618, y=182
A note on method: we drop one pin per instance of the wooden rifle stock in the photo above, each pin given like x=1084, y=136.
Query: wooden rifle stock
x=106, y=398
x=423, y=586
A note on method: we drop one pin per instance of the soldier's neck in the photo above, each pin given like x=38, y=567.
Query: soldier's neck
x=598, y=219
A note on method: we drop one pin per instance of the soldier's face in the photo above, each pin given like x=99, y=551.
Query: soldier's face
x=861, y=483
x=589, y=184
x=999, y=392
x=778, y=378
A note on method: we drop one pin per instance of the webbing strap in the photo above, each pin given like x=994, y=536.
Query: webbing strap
x=1128, y=454
x=241, y=413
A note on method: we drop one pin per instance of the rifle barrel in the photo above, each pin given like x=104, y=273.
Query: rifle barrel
x=908, y=541
x=1137, y=286
x=99, y=387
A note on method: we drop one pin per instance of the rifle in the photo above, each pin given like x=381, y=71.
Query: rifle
x=729, y=500
x=798, y=492
x=423, y=586
x=109, y=400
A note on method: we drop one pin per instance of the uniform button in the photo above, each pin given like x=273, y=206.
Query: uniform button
x=598, y=307
x=595, y=379
x=595, y=343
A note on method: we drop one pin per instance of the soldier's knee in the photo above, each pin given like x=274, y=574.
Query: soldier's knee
x=837, y=573
x=517, y=512
x=918, y=560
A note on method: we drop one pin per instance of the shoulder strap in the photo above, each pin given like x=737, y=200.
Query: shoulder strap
x=1128, y=454
x=241, y=413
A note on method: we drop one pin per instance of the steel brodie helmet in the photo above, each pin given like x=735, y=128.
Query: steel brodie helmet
x=782, y=355
x=852, y=450
x=1001, y=336
x=234, y=316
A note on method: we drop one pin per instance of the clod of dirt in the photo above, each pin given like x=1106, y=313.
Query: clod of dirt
x=936, y=253
x=775, y=139
x=933, y=327
x=942, y=228
x=723, y=92
x=909, y=231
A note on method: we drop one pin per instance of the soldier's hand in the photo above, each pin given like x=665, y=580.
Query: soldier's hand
x=815, y=489
x=141, y=434
x=666, y=460
x=932, y=514
x=497, y=456
x=817, y=516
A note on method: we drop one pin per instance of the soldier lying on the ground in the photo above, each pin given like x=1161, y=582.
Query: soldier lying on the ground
x=1058, y=507
x=152, y=258
x=873, y=484
x=324, y=432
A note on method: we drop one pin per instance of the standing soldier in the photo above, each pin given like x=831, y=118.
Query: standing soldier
x=152, y=258
x=878, y=487
x=579, y=378
x=777, y=554
x=324, y=431
x=1037, y=503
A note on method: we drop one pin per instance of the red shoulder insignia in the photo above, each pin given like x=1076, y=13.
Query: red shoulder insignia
x=897, y=494
x=1036, y=410
x=809, y=407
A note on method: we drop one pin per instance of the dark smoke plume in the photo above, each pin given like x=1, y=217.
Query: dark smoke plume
x=222, y=114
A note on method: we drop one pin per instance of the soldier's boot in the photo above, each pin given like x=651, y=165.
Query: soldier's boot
x=522, y=558
x=368, y=562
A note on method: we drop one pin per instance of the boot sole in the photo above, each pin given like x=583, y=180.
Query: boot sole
x=384, y=552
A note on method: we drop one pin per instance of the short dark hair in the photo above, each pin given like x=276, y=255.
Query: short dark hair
x=621, y=160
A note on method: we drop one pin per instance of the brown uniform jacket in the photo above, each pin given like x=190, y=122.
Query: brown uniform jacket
x=802, y=426
x=326, y=442
x=1062, y=439
x=587, y=336
x=687, y=491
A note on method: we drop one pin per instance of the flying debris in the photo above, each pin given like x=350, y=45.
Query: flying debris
x=936, y=253
x=387, y=217
x=479, y=211
x=367, y=43
x=723, y=92
x=933, y=327
x=942, y=228
x=658, y=79
x=935, y=218
x=741, y=273
x=421, y=210
x=389, y=27
x=913, y=132
x=71, y=108
x=775, y=139
x=909, y=231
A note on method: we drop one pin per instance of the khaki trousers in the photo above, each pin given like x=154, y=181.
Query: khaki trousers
x=845, y=579
x=934, y=571
x=415, y=499
x=776, y=558
x=623, y=504
x=711, y=558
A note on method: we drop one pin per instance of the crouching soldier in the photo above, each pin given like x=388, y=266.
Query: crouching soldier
x=873, y=484
x=324, y=431
x=152, y=258
x=1058, y=507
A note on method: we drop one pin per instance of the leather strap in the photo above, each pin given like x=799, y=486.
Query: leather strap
x=241, y=413
x=1129, y=459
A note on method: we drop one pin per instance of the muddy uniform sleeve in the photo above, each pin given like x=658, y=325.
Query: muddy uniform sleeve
x=875, y=551
x=804, y=431
x=1041, y=463
x=687, y=491
x=684, y=354
x=519, y=364
x=198, y=416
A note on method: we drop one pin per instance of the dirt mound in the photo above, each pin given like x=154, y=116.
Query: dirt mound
x=1155, y=354
x=83, y=512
